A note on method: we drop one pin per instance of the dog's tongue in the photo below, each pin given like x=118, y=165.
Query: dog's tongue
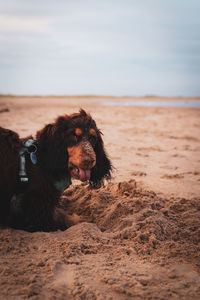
x=84, y=174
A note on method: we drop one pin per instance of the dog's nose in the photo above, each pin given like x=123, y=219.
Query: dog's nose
x=89, y=162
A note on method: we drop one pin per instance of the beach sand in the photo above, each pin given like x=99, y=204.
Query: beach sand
x=141, y=235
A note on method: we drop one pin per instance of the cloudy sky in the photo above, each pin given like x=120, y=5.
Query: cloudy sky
x=107, y=47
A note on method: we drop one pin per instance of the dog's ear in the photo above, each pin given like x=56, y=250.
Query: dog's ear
x=52, y=150
x=102, y=169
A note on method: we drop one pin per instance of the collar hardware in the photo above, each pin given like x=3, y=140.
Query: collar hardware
x=31, y=148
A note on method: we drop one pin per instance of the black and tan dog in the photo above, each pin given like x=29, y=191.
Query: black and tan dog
x=34, y=173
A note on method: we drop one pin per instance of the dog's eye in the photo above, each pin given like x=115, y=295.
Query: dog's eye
x=72, y=139
x=75, y=138
x=92, y=139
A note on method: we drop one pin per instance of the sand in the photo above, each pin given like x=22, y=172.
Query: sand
x=140, y=237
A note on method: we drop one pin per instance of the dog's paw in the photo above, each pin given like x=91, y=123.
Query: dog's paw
x=65, y=220
x=74, y=219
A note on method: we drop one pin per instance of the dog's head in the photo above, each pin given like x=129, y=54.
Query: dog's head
x=73, y=145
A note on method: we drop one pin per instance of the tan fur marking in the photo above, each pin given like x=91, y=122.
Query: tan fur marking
x=75, y=154
x=92, y=131
x=78, y=131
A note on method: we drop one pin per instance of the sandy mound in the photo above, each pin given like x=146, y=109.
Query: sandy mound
x=131, y=245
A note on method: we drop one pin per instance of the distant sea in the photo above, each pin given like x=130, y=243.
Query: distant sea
x=152, y=103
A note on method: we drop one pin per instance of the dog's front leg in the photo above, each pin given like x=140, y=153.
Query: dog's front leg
x=38, y=212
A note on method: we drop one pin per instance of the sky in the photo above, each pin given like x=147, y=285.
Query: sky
x=107, y=47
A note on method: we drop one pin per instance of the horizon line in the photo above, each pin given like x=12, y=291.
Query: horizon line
x=93, y=95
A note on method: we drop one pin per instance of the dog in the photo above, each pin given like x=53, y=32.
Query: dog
x=35, y=172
